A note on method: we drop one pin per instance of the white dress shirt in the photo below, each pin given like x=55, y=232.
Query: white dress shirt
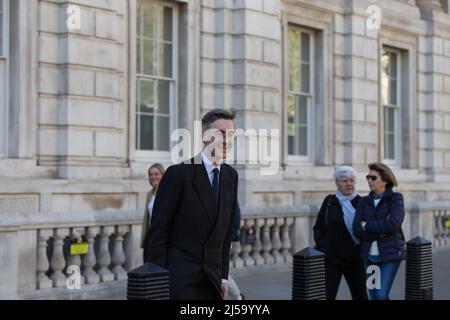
x=209, y=166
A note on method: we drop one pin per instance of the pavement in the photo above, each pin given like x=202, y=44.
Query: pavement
x=274, y=282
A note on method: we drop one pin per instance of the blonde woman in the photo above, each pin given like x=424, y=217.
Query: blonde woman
x=155, y=173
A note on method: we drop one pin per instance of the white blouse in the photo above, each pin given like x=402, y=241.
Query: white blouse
x=374, y=247
x=150, y=207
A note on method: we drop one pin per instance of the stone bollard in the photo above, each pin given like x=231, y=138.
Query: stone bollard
x=148, y=282
x=419, y=270
x=308, y=279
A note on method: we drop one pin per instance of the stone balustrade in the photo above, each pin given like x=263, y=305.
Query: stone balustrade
x=41, y=246
x=34, y=249
x=441, y=219
x=279, y=231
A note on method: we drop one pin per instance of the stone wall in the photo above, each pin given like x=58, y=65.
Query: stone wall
x=73, y=98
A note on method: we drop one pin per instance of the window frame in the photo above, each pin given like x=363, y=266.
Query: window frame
x=309, y=157
x=397, y=160
x=4, y=83
x=174, y=85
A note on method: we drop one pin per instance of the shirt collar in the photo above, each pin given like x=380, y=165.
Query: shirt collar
x=208, y=164
x=377, y=197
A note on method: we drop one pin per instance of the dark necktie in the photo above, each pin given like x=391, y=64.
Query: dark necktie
x=215, y=185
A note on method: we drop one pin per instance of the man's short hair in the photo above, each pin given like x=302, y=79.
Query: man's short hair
x=217, y=114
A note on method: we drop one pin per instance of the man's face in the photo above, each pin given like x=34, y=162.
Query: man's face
x=219, y=139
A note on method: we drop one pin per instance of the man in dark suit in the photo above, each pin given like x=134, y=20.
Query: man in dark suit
x=190, y=233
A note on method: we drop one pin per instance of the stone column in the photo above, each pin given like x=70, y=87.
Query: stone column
x=267, y=242
x=246, y=248
x=104, y=257
x=89, y=260
x=118, y=255
x=285, y=240
x=58, y=262
x=276, y=242
x=43, y=281
x=257, y=246
x=76, y=259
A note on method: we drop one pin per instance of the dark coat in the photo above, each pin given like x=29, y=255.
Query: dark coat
x=383, y=223
x=189, y=234
x=236, y=223
x=332, y=236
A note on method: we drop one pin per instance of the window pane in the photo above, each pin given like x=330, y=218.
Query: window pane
x=294, y=60
x=386, y=147
x=305, y=78
x=157, y=63
x=393, y=65
x=389, y=132
x=138, y=19
x=149, y=57
x=389, y=120
x=165, y=60
x=163, y=98
x=302, y=110
x=146, y=132
x=393, y=92
x=147, y=96
x=291, y=110
x=305, y=48
x=162, y=133
x=138, y=55
x=150, y=20
x=385, y=78
x=291, y=140
x=291, y=124
x=392, y=120
x=392, y=146
x=167, y=24
x=389, y=146
x=302, y=138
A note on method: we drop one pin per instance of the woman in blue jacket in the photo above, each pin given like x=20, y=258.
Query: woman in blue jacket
x=377, y=224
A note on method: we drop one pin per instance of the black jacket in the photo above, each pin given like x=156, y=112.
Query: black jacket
x=189, y=235
x=383, y=223
x=236, y=223
x=332, y=236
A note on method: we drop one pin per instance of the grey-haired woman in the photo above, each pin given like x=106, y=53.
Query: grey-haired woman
x=333, y=234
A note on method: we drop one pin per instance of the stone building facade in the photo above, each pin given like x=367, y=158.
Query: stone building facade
x=91, y=90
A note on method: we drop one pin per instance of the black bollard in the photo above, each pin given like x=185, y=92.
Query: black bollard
x=308, y=279
x=419, y=270
x=148, y=282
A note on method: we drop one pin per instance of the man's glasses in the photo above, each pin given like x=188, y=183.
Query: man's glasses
x=373, y=178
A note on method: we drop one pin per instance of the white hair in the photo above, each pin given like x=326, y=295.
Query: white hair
x=344, y=171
